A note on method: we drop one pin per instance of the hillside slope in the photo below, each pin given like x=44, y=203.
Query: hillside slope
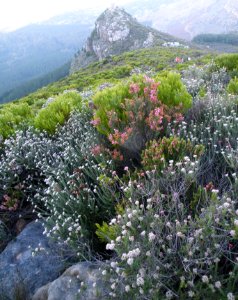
x=36, y=50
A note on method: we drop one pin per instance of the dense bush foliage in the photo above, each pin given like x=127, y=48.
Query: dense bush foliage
x=229, y=61
x=57, y=112
x=134, y=113
x=233, y=86
x=172, y=92
x=13, y=115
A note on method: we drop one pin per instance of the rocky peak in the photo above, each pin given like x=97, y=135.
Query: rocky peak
x=116, y=32
x=113, y=25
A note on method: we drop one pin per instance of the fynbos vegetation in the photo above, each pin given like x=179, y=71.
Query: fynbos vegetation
x=138, y=171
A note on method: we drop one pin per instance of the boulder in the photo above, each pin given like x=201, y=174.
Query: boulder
x=22, y=273
x=81, y=281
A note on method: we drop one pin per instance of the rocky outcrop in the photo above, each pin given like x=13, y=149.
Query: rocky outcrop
x=22, y=273
x=116, y=32
x=81, y=281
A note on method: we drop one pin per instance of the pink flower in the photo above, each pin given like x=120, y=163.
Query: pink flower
x=134, y=88
x=95, y=122
x=148, y=79
x=96, y=150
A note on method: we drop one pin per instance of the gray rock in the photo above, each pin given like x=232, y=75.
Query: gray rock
x=82, y=281
x=21, y=273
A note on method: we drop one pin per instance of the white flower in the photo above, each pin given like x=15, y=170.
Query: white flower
x=236, y=222
x=190, y=294
x=128, y=224
x=127, y=288
x=218, y=284
x=143, y=233
x=113, y=264
x=152, y=236
x=113, y=286
x=104, y=272
x=148, y=253
x=232, y=233
x=169, y=295
x=140, y=281
x=180, y=234
x=118, y=239
x=113, y=221
x=230, y=296
x=130, y=261
x=110, y=246
x=205, y=279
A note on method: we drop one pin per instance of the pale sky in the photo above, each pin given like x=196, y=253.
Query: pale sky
x=18, y=13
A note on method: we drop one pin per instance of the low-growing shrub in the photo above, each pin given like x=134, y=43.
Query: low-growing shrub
x=57, y=112
x=229, y=61
x=163, y=251
x=12, y=117
x=159, y=153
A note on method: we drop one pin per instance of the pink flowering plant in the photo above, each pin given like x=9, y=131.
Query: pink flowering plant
x=132, y=114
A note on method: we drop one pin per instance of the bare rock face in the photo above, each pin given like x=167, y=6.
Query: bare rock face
x=81, y=281
x=21, y=273
x=116, y=32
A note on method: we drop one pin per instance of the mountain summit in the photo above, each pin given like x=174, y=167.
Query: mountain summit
x=115, y=32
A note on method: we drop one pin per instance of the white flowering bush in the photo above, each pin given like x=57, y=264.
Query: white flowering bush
x=209, y=78
x=164, y=250
x=217, y=129
x=79, y=191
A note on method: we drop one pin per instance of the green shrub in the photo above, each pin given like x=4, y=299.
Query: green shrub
x=110, y=99
x=172, y=92
x=57, y=112
x=232, y=87
x=12, y=117
x=229, y=61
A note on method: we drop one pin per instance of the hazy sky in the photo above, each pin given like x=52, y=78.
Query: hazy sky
x=17, y=13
